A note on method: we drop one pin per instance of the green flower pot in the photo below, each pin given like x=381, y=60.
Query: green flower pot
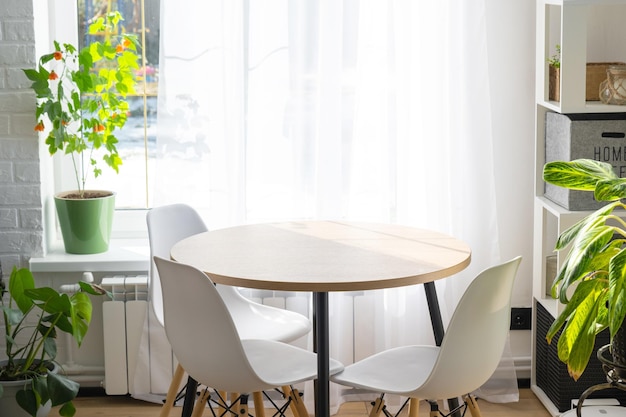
x=86, y=223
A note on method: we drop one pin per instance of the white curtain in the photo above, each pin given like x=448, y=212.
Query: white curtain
x=371, y=110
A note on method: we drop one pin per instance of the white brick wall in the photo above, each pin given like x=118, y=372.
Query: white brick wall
x=21, y=228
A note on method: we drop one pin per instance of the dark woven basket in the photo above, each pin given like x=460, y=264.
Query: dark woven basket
x=618, y=351
x=551, y=373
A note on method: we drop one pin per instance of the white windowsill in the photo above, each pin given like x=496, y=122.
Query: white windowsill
x=128, y=255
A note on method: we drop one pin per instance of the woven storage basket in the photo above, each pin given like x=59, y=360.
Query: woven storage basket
x=596, y=73
x=618, y=350
x=551, y=373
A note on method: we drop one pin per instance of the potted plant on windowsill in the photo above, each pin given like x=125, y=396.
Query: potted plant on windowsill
x=591, y=282
x=30, y=379
x=81, y=104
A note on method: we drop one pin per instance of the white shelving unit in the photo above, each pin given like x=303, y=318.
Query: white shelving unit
x=587, y=31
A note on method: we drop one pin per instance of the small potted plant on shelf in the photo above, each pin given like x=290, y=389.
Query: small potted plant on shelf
x=554, y=75
x=591, y=282
x=30, y=379
x=81, y=104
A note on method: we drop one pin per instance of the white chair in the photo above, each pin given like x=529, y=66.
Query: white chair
x=168, y=225
x=196, y=315
x=468, y=355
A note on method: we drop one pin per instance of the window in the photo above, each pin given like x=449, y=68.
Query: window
x=137, y=139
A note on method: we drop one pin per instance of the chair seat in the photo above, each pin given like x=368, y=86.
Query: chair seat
x=399, y=370
x=281, y=364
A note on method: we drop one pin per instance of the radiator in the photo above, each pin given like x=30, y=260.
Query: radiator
x=123, y=321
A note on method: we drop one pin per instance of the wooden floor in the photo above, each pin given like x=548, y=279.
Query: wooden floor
x=121, y=406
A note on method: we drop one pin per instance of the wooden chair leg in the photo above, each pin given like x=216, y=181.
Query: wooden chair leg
x=198, y=409
x=377, y=407
x=172, y=390
x=292, y=405
x=472, y=404
x=298, y=403
x=220, y=408
x=233, y=397
x=259, y=408
x=414, y=407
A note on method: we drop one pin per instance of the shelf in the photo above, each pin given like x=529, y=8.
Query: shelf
x=560, y=211
x=123, y=255
x=586, y=107
x=588, y=32
x=541, y=396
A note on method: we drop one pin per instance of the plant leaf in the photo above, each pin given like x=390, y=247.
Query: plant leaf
x=600, y=215
x=40, y=387
x=61, y=389
x=50, y=347
x=577, y=339
x=81, y=315
x=586, y=247
x=610, y=190
x=579, y=174
x=580, y=296
x=68, y=410
x=94, y=289
x=20, y=281
x=53, y=302
x=13, y=316
x=617, y=292
x=27, y=399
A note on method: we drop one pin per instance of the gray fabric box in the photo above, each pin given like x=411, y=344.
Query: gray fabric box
x=599, y=136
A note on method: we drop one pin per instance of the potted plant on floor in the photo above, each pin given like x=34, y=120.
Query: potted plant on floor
x=591, y=282
x=81, y=104
x=30, y=379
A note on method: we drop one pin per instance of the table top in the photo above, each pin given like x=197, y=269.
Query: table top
x=323, y=256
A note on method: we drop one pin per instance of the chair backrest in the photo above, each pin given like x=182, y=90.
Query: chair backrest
x=475, y=338
x=166, y=226
x=201, y=330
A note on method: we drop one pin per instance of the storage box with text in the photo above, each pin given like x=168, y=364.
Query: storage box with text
x=599, y=136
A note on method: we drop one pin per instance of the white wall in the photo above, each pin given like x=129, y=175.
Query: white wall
x=511, y=42
x=21, y=230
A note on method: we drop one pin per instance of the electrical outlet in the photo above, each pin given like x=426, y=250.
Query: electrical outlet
x=521, y=318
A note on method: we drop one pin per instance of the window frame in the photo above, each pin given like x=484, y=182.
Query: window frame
x=60, y=21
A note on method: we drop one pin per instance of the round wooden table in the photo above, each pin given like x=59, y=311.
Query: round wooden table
x=325, y=256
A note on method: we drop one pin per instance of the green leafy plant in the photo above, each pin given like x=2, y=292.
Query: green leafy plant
x=31, y=346
x=595, y=266
x=81, y=97
x=555, y=60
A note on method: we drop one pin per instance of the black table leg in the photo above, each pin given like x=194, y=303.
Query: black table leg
x=321, y=347
x=438, y=330
x=190, y=397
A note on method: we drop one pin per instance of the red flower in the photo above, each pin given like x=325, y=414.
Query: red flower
x=53, y=76
x=119, y=48
x=126, y=43
x=39, y=127
x=98, y=128
x=58, y=55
